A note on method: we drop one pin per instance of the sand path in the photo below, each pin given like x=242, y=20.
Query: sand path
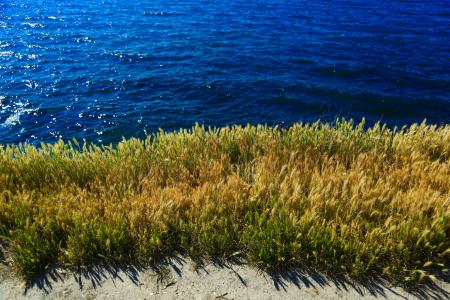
x=180, y=280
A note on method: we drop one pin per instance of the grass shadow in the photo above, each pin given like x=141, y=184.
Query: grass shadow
x=2, y=255
x=281, y=278
x=376, y=286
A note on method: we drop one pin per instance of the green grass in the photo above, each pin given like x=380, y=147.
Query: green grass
x=339, y=199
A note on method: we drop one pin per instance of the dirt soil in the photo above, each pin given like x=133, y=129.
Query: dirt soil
x=179, y=279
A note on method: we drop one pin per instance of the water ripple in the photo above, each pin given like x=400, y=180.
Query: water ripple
x=101, y=70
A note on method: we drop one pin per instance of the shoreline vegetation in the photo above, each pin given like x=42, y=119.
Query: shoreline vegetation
x=341, y=198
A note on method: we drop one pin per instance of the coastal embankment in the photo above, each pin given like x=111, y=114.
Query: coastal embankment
x=341, y=199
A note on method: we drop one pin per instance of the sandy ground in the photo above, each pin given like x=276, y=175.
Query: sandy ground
x=180, y=280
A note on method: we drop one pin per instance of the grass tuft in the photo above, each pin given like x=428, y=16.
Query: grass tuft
x=339, y=198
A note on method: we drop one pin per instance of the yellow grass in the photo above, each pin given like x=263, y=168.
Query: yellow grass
x=336, y=198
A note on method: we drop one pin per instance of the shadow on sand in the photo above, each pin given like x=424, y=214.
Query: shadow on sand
x=301, y=278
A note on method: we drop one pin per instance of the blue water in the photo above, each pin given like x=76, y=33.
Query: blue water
x=103, y=70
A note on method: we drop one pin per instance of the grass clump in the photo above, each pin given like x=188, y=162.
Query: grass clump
x=338, y=198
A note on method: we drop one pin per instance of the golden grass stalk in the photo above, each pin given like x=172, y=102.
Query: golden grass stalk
x=338, y=198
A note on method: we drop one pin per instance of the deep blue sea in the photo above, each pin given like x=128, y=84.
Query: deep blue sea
x=103, y=70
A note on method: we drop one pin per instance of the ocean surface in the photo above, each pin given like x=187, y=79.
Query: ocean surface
x=102, y=70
